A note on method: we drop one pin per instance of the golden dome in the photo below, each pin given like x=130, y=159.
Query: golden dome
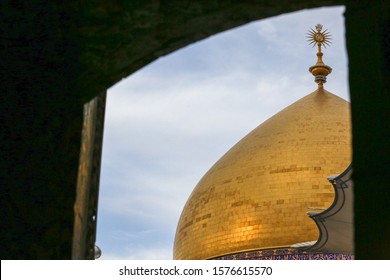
x=257, y=195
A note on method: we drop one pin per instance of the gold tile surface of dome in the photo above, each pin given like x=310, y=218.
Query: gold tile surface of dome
x=257, y=195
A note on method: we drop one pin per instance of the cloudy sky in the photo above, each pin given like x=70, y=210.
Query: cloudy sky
x=168, y=123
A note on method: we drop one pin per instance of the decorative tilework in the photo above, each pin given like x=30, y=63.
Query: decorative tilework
x=285, y=254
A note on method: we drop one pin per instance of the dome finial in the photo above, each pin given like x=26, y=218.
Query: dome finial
x=319, y=38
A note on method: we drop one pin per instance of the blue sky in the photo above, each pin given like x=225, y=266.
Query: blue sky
x=168, y=123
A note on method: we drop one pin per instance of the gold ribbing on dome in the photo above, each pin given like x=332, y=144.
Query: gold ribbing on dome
x=319, y=38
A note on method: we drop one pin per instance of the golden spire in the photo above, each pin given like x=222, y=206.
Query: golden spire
x=319, y=38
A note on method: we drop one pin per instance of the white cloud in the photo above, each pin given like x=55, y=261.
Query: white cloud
x=267, y=30
x=139, y=253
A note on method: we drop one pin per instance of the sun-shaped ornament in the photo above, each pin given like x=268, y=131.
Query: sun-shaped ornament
x=320, y=70
x=319, y=38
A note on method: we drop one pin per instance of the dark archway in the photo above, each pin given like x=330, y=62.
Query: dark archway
x=57, y=56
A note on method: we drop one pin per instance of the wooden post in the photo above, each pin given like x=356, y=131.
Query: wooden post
x=87, y=192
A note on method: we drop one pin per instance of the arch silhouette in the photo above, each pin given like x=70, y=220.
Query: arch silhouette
x=58, y=56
